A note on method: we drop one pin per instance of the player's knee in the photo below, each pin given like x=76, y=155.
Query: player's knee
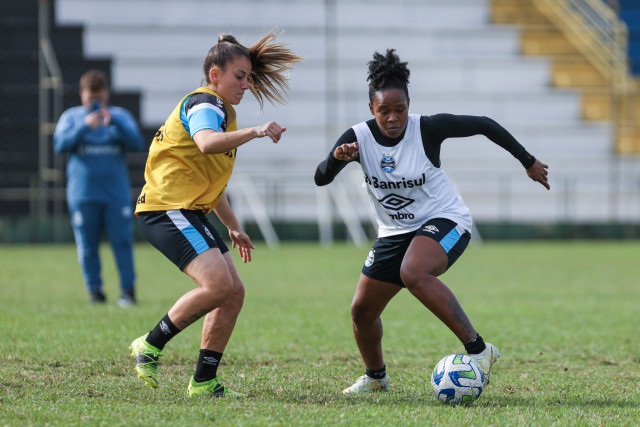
x=236, y=297
x=411, y=277
x=362, y=313
x=216, y=292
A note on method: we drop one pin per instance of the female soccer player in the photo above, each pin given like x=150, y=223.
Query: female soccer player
x=423, y=224
x=189, y=164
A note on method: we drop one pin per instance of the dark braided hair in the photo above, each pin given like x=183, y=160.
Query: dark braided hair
x=386, y=71
x=270, y=63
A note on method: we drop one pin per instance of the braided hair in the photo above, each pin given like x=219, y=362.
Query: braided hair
x=270, y=63
x=385, y=72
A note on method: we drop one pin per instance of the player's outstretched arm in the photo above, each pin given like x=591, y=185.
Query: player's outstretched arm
x=538, y=172
x=211, y=142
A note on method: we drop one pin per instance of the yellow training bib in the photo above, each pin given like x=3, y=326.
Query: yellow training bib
x=180, y=176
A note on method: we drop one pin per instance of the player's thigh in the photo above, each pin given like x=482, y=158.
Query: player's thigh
x=424, y=256
x=436, y=246
x=210, y=271
x=371, y=298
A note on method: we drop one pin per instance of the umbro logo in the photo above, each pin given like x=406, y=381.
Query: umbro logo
x=206, y=230
x=395, y=202
x=210, y=360
x=431, y=229
x=164, y=328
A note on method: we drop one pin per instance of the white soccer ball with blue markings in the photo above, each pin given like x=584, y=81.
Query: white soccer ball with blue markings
x=457, y=379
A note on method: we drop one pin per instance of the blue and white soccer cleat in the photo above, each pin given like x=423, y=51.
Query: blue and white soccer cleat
x=486, y=359
x=366, y=384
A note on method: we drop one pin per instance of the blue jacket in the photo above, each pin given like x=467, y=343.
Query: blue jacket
x=97, y=169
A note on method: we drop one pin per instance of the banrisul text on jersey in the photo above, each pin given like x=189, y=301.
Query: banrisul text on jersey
x=404, y=183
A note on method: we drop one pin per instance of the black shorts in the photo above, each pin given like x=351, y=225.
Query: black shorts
x=387, y=253
x=181, y=235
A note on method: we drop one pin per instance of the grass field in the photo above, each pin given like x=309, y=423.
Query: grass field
x=564, y=316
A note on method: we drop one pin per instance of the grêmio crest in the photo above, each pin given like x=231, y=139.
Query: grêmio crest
x=388, y=163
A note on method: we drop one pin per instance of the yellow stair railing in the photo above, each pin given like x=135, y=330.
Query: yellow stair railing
x=601, y=38
x=595, y=30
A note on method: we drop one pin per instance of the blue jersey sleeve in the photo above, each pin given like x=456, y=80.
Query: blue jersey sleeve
x=126, y=129
x=70, y=130
x=203, y=111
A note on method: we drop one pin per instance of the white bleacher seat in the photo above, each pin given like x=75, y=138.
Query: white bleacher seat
x=459, y=63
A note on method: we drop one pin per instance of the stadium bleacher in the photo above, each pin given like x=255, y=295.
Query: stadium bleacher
x=19, y=89
x=460, y=63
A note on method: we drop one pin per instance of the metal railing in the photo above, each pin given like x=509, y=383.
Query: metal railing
x=602, y=38
x=596, y=32
x=51, y=97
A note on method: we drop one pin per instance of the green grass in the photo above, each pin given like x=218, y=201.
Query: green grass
x=564, y=316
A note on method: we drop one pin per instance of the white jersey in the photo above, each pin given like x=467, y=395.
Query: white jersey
x=405, y=189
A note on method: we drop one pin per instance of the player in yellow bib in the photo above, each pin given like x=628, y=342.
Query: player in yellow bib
x=190, y=162
x=174, y=150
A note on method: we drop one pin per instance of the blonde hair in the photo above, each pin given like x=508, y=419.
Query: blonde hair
x=270, y=64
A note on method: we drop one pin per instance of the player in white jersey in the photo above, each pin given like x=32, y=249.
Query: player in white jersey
x=423, y=224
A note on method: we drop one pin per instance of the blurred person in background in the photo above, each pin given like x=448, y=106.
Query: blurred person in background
x=190, y=162
x=423, y=224
x=97, y=137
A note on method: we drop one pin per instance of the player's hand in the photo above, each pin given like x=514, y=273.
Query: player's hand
x=106, y=116
x=538, y=172
x=241, y=240
x=98, y=118
x=346, y=152
x=271, y=129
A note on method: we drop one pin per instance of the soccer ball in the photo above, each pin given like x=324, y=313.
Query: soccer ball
x=457, y=379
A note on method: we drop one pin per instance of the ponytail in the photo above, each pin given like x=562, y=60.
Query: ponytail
x=270, y=63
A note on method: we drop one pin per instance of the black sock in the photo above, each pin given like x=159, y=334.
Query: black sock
x=475, y=345
x=378, y=374
x=207, y=368
x=162, y=333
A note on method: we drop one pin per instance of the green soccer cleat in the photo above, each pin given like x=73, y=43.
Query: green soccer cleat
x=146, y=360
x=211, y=388
x=486, y=359
x=366, y=384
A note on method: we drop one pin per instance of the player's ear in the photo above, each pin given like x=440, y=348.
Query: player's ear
x=371, y=109
x=214, y=74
